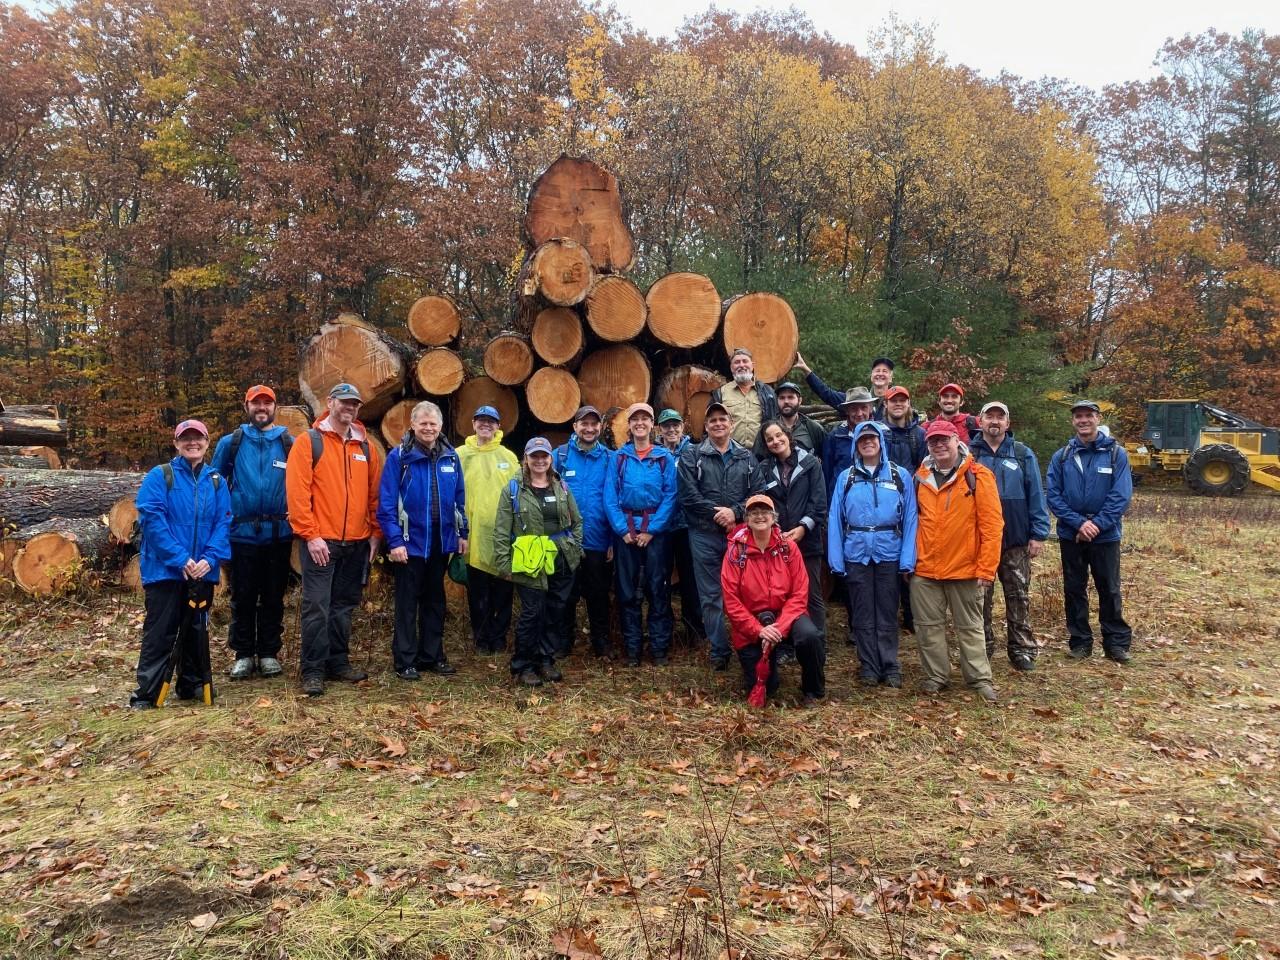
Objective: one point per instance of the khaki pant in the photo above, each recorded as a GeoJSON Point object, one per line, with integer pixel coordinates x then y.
{"type": "Point", "coordinates": [930, 600]}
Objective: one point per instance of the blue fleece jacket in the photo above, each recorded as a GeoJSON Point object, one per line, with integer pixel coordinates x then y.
{"type": "Point", "coordinates": [872, 499]}
{"type": "Point", "coordinates": [1021, 492]}
{"type": "Point", "coordinates": [259, 511]}
{"type": "Point", "coordinates": [1090, 482]}
{"type": "Point", "coordinates": [420, 473]}
{"type": "Point", "coordinates": [837, 453]}
{"type": "Point", "coordinates": [636, 485]}
{"type": "Point", "coordinates": [584, 473]}
{"type": "Point", "coordinates": [191, 521]}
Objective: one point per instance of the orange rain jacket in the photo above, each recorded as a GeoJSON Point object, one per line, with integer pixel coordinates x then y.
{"type": "Point", "coordinates": [338, 499]}
{"type": "Point", "coordinates": [959, 531]}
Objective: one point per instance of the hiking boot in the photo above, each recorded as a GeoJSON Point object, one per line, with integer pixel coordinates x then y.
{"type": "Point", "coordinates": [1119, 656]}
{"type": "Point", "coordinates": [348, 673]}
{"type": "Point", "coordinates": [811, 700]}
{"type": "Point", "coordinates": [661, 662]}
{"type": "Point", "coordinates": [868, 681]}
{"type": "Point", "coordinates": [786, 654]}
{"type": "Point", "coordinates": [409, 673]}
{"type": "Point", "coordinates": [270, 667]}
{"type": "Point", "coordinates": [529, 678]}
{"type": "Point", "coordinates": [932, 686]}
{"type": "Point", "coordinates": [1079, 653]}
{"type": "Point", "coordinates": [988, 693]}
{"type": "Point", "coordinates": [719, 664]}
{"type": "Point", "coordinates": [633, 661]}
{"type": "Point", "coordinates": [242, 669]}
{"type": "Point", "coordinates": [1022, 663]}
{"type": "Point", "coordinates": [894, 681]}
{"type": "Point", "coordinates": [551, 672]}
{"type": "Point", "coordinates": [313, 686]}
{"type": "Point", "coordinates": [444, 668]}
{"type": "Point", "coordinates": [141, 705]}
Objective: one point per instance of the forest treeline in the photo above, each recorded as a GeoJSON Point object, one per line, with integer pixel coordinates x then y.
{"type": "Point", "coordinates": [188, 187]}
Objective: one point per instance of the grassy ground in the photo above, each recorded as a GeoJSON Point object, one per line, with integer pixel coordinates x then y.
{"type": "Point", "coordinates": [1098, 811]}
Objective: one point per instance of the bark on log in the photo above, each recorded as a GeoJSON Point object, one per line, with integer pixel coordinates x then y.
{"type": "Point", "coordinates": [580, 200]}
{"type": "Point", "coordinates": [294, 419]}
{"type": "Point", "coordinates": [765, 324]}
{"type": "Point", "coordinates": [395, 422]}
{"type": "Point", "coordinates": [439, 372]}
{"type": "Point", "coordinates": [684, 309]}
{"type": "Point", "coordinates": [32, 425]}
{"type": "Point", "coordinates": [552, 395]}
{"type": "Point", "coordinates": [47, 454]}
{"type": "Point", "coordinates": [616, 309]}
{"type": "Point", "coordinates": [559, 272]}
{"type": "Point", "coordinates": [122, 520]}
{"type": "Point", "coordinates": [23, 463]}
{"type": "Point", "coordinates": [39, 495]}
{"type": "Point", "coordinates": [480, 392]}
{"type": "Point", "coordinates": [616, 376]}
{"type": "Point", "coordinates": [357, 354]}
{"type": "Point", "coordinates": [688, 389]}
{"type": "Point", "coordinates": [508, 359]}
{"type": "Point", "coordinates": [557, 336]}
{"type": "Point", "coordinates": [433, 321]}
{"type": "Point", "coordinates": [51, 553]}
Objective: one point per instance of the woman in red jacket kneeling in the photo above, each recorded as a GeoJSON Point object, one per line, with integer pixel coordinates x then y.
{"type": "Point", "coordinates": [766, 595]}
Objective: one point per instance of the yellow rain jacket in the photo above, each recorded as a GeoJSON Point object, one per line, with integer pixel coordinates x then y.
{"type": "Point", "coordinates": [486, 470]}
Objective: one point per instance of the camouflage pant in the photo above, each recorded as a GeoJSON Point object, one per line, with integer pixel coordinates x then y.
{"type": "Point", "coordinates": [1015, 581]}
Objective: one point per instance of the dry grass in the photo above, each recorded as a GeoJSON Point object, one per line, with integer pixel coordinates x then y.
{"type": "Point", "coordinates": [1098, 810]}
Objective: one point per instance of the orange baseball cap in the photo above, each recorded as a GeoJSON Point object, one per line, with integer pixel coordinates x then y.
{"type": "Point", "coordinates": [259, 390]}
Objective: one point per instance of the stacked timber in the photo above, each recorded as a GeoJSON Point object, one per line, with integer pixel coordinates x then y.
{"type": "Point", "coordinates": [32, 425]}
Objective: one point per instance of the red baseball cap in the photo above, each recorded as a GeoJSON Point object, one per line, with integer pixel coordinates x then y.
{"type": "Point", "coordinates": [951, 388]}
{"type": "Point", "coordinates": [941, 428]}
{"type": "Point", "coordinates": [259, 390]}
{"type": "Point", "coordinates": [186, 425]}
{"type": "Point", "coordinates": [898, 391]}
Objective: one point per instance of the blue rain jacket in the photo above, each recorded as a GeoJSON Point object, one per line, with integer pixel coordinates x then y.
{"type": "Point", "coordinates": [1090, 482]}
{"type": "Point", "coordinates": [191, 521]}
{"type": "Point", "coordinates": [259, 507]}
{"type": "Point", "coordinates": [635, 486]}
{"type": "Point", "coordinates": [873, 500]}
{"type": "Point", "coordinates": [415, 494]}
{"type": "Point", "coordinates": [1017, 471]}
{"type": "Point", "coordinates": [584, 473]}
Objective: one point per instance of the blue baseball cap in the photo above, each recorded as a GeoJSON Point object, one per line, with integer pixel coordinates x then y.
{"type": "Point", "coordinates": [487, 411]}
{"type": "Point", "coordinates": [538, 445]}
{"type": "Point", "coordinates": [345, 391]}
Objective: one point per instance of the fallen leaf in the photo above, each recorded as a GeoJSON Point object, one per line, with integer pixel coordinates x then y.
{"type": "Point", "coordinates": [392, 747]}
{"type": "Point", "coordinates": [1116, 938]}
{"type": "Point", "coordinates": [576, 944]}
{"type": "Point", "coordinates": [204, 921]}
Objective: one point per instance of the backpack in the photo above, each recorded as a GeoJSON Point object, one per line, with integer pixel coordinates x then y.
{"type": "Point", "coordinates": [233, 451]}
{"type": "Point", "coordinates": [739, 558]}
{"type": "Point", "coordinates": [896, 471]}
{"type": "Point", "coordinates": [317, 446]}
{"type": "Point", "coordinates": [167, 470]}
{"type": "Point", "coordinates": [661, 460]}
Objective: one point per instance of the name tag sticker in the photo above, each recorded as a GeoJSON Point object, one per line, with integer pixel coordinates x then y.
{"type": "Point", "coordinates": [445, 468]}
{"type": "Point", "coordinates": [1104, 469]}
{"type": "Point", "coordinates": [771, 484]}
{"type": "Point", "coordinates": [571, 473]}
{"type": "Point", "coordinates": [360, 457]}
{"type": "Point", "coordinates": [503, 466]}
{"type": "Point", "coordinates": [279, 464]}
{"type": "Point", "coordinates": [550, 499]}
{"type": "Point", "coordinates": [1011, 464]}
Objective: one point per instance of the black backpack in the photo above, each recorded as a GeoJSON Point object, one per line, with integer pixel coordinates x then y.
{"type": "Point", "coordinates": [237, 438]}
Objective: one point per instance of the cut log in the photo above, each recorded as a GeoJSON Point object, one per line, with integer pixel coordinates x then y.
{"type": "Point", "coordinates": [395, 422]}
{"type": "Point", "coordinates": [39, 495]}
{"type": "Point", "coordinates": [131, 574]}
{"type": "Point", "coordinates": [439, 372]}
{"type": "Point", "coordinates": [557, 336]}
{"type": "Point", "coordinates": [552, 395]}
{"type": "Point", "coordinates": [32, 425]}
{"type": "Point", "coordinates": [688, 389]}
{"type": "Point", "coordinates": [434, 321]}
{"type": "Point", "coordinates": [616, 310]}
{"type": "Point", "coordinates": [51, 554]}
{"type": "Point", "coordinates": [50, 456]}
{"type": "Point", "coordinates": [559, 272]}
{"type": "Point", "coordinates": [357, 354]}
{"type": "Point", "coordinates": [684, 309]}
{"type": "Point", "coordinates": [296, 420]}
{"type": "Point", "coordinates": [23, 463]}
{"type": "Point", "coordinates": [508, 359]}
{"type": "Point", "coordinates": [122, 520]}
{"type": "Point", "coordinates": [765, 324]}
{"type": "Point", "coordinates": [580, 200]}
{"type": "Point", "coordinates": [616, 376]}
{"type": "Point", "coordinates": [480, 392]}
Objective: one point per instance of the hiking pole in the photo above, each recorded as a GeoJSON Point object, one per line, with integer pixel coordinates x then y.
{"type": "Point", "coordinates": [171, 664]}
{"type": "Point", "coordinates": [199, 599]}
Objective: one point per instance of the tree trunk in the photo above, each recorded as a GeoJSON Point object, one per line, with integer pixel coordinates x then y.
{"type": "Point", "coordinates": [508, 359]}
{"type": "Point", "coordinates": [23, 463]}
{"type": "Point", "coordinates": [580, 200]}
{"type": "Point", "coordinates": [122, 520]}
{"type": "Point", "coordinates": [688, 389]}
{"type": "Point", "coordinates": [484, 392]}
{"type": "Point", "coordinates": [616, 310]}
{"type": "Point", "coordinates": [355, 354]}
{"type": "Point", "coordinates": [558, 272]}
{"type": "Point", "coordinates": [433, 321]}
{"type": "Point", "coordinates": [50, 456]}
{"type": "Point", "coordinates": [552, 394]}
{"type": "Point", "coordinates": [297, 420]}
{"type": "Point", "coordinates": [395, 422]}
{"type": "Point", "coordinates": [131, 574]}
{"type": "Point", "coordinates": [32, 425]}
{"type": "Point", "coordinates": [439, 372]}
{"type": "Point", "coordinates": [557, 336]}
{"type": "Point", "coordinates": [51, 553]}
{"type": "Point", "coordinates": [765, 324]}
{"type": "Point", "coordinates": [35, 496]}
{"type": "Point", "coordinates": [684, 309]}
{"type": "Point", "coordinates": [616, 376]}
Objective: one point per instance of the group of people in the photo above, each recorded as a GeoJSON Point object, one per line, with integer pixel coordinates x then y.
{"type": "Point", "coordinates": [912, 516]}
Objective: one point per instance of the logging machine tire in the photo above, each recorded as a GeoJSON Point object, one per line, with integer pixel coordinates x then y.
{"type": "Point", "coordinates": [1217, 470]}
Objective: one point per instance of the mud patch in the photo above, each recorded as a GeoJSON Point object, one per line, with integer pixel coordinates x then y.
{"type": "Point", "coordinates": [150, 907]}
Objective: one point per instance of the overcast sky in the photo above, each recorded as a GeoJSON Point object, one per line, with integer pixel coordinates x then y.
{"type": "Point", "coordinates": [1093, 42]}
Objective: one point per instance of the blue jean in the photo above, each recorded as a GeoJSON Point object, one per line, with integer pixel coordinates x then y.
{"type": "Point", "coordinates": [642, 575]}
{"type": "Point", "coordinates": [707, 548]}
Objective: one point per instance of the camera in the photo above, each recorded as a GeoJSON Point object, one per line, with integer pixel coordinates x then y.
{"type": "Point", "coordinates": [767, 618]}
